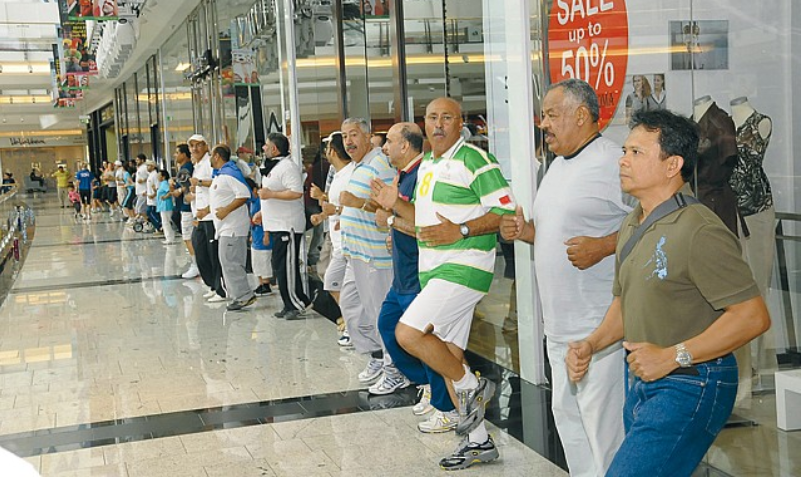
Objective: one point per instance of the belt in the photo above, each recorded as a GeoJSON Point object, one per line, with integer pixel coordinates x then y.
{"type": "Point", "coordinates": [689, 371]}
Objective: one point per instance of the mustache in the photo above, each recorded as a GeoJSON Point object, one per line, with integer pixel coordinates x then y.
{"type": "Point", "coordinates": [439, 131]}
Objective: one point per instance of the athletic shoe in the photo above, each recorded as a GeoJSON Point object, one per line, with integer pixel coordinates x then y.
{"type": "Point", "coordinates": [263, 290]}
{"type": "Point", "coordinates": [423, 406]}
{"type": "Point", "coordinates": [281, 314]}
{"type": "Point", "coordinates": [216, 299]}
{"type": "Point", "coordinates": [472, 405]}
{"type": "Point", "coordinates": [238, 305]}
{"type": "Point", "coordinates": [439, 422]}
{"type": "Point", "coordinates": [344, 340]}
{"type": "Point", "coordinates": [389, 383]}
{"type": "Point", "coordinates": [209, 294]}
{"type": "Point", "coordinates": [192, 272]}
{"type": "Point", "coordinates": [169, 242]}
{"type": "Point", "coordinates": [292, 315]}
{"type": "Point", "coordinates": [469, 453]}
{"type": "Point", "coordinates": [372, 371]}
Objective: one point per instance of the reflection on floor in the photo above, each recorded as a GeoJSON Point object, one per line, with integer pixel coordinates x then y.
{"type": "Point", "coordinates": [110, 365]}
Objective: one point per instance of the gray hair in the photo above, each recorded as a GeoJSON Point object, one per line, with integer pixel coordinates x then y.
{"type": "Point", "coordinates": [361, 122]}
{"type": "Point", "coordinates": [582, 93]}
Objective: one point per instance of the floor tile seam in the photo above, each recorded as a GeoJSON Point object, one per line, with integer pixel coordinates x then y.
{"type": "Point", "coordinates": [96, 242]}
{"type": "Point", "coordinates": [72, 286]}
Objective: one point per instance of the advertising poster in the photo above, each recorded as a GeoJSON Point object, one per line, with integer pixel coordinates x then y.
{"type": "Point", "coordinates": [82, 10]}
{"type": "Point", "coordinates": [590, 41]}
{"type": "Point", "coordinates": [76, 58]}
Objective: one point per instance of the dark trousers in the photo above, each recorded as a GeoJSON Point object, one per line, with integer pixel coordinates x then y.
{"type": "Point", "coordinates": [392, 309]}
{"type": "Point", "coordinates": [207, 256]}
{"type": "Point", "coordinates": [286, 268]}
{"type": "Point", "coordinates": [154, 217]}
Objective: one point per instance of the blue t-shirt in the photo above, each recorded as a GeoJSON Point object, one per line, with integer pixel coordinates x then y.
{"type": "Point", "coordinates": [406, 280]}
{"type": "Point", "coordinates": [190, 168]}
{"type": "Point", "coordinates": [163, 205]}
{"type": "Point", "coordinates": [84, 177]}
{"type": "Point", "coordinates": [257, 231]}
{"type": "Point", "coordinates": [126, 178]}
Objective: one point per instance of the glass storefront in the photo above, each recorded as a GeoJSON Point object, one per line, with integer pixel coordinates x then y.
{"type": "Point", "coordinates": [237, 71]}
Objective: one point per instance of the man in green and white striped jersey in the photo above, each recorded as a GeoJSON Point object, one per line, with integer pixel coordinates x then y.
{"type": "Point", "coordinates": [459, 199]}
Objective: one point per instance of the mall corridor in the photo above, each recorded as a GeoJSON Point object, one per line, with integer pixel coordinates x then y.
{"type": "Point", "coordinates": [113, 366]}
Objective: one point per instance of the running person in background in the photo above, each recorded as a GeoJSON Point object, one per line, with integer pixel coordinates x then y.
{"type": "Point", "coordinates": [129, 200]}
{"type": "Point", "coordinates": [84, 178]}
{"type": "Point", "coordinates": [164, 206]}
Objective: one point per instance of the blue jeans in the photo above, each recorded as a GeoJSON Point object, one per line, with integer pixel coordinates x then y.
{"type": "Point", "coordinates": [671, 423]}
{"type": "Point", "coordinates": [392, 309]}
{"type": "Point", "coordinates": [154, 217]}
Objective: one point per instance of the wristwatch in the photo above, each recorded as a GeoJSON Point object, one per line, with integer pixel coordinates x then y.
{"type": "Point", "coordinates": [390, 221]}
{"type": "Point", "coordinates": [464, 230]}
{"type": "Point", "coordinates": [683, 356]}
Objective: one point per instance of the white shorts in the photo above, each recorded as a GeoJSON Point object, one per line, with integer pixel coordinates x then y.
{"type": "Point", "coordinates": [141, 204]}
{"type": "Point", "coordinates": [335, 273]}
{"type": "Point", "coordinates": [261, 260]}
{"type": "Point", "coordinates": [445, 306]}
{"type": "Point", "coordinates": [187, 225]}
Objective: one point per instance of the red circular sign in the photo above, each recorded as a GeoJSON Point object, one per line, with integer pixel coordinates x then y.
{"type": "Point", "coordinates": [589, 40]}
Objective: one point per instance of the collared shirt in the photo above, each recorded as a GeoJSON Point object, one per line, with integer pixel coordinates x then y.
{"type": "Point", "coordinates": [362, 239]}
{"type": "Point", "coordinates": [405, 254]}
{"type": "Point", "coordinates": [464, 184]}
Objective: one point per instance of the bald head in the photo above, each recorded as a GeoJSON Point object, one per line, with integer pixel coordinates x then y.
{"type": "Point", "coordinates": [404, 143]}
{"type": "Point", "coordinates": [443, 124]}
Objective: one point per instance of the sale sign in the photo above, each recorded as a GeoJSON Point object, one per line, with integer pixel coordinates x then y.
{"type": "Point", "coordinates": [589, 40]}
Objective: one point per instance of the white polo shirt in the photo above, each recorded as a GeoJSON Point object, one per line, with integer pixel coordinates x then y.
{"type": "Point", "coordinates": [283, 215]}
{"type": "Point", "coordinates": [141, 174]}
{"type": "Point", "coordinates": [224, 190]}
{"type": "Point", "coordinates": [203, 172]}
{"type": "Point", "coordinates": [338, 185]}
{"type": "Point", "coordinates": [152, 186]}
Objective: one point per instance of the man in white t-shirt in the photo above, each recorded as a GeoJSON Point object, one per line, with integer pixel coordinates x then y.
{"type": "Point", "coordinates": [119, 178]}
{"type": "Point", "coordinates": [576, 215]}
{"type": "Point", "coordinates": [283, 216]}
{"type": "Point", "coordinates": [141, 186]}
{"type": "Point", "coordinates": [152, 184]}
{"type": "Point", "coordinates": [204, 239]}
{"type": "Point", "coordinates": [228, 198]}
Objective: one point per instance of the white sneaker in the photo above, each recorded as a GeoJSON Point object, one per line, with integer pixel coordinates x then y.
{"type": "Point", "coordinates": [390, 382]}
{"type": "Point", "coordinates": [439, 422]}
{"type": "Point", "coordinates": [372, 371]}
{"type": "Point", "coordinates": [209, 294]}
{"type": "Point", "coordinates": [192, 272]}
{"type": "Point", "coordinates": [217, 298]}
{"type": "Point", "coordinates": [423, 406]}
{"type": "Point", "coordinates": [344, 340]}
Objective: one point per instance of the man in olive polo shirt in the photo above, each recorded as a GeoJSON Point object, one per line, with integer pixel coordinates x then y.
{"type": "Point", "coordinates": [684, 300]}
{"type": "Point", "coordinates": [62, 176]}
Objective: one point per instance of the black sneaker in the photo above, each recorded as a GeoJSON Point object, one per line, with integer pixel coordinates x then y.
{"type": "Point", "coordinates": [295, 315]}
{"type": "Point", "coordinates": [468, 453]}
{"type": "Point", "coordinates": [238, 305]}
{"type": "Point", "coordinates": [281, 314]}
{"type": "Point", "coordinates": [263, 290]}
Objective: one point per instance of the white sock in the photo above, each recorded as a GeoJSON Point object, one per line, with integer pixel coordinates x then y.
{"type": "Point", "coordinates": [468, 381]}
{"type": "Point", "coordinates": [479, 435]}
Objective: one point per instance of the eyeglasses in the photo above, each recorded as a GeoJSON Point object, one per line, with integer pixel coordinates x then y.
{"type": "Point", "coordinates": [445, 118]}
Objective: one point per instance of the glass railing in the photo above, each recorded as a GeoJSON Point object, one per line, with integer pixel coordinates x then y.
{"type": "Point", "coordinates": [17, 223]}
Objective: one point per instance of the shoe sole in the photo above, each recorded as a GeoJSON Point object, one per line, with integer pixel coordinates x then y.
{"type": "Point", "coordinates": [469, 423]}
{"type": "Point", "coordinates": [383, 392]}
{"type": "Point", "coordinates": [425, 411]}
{"type": "Point", "coordinates": [436, 431]}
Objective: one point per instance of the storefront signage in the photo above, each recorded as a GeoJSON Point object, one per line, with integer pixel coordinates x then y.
{"type": "Point", "coordinates": [16, 142]}
{"type": "Point", "coordinates": [589, 40]}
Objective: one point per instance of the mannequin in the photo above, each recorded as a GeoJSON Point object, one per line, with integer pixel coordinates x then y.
{"type": "Point", "coordinates": [717, 156]}
{"type": "Point", "coordinates": [755, 205]}
{"type": "Point", "coordinates": [741, 109]}
{"type": "Point", "coordinates": [700, 106]}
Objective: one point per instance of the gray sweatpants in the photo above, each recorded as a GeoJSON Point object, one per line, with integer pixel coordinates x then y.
{"type": "Point", "coordinates": [363, 291]}
{"type": "Point", "coordinates": [233, 258]}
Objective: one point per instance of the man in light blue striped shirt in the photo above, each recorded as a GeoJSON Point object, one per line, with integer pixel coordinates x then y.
{"type": "Point", "coordinates": [368, 274]}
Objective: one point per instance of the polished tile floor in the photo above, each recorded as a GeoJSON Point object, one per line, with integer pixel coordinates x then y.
{"type": "Point", "coordinates": [112, 365]}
